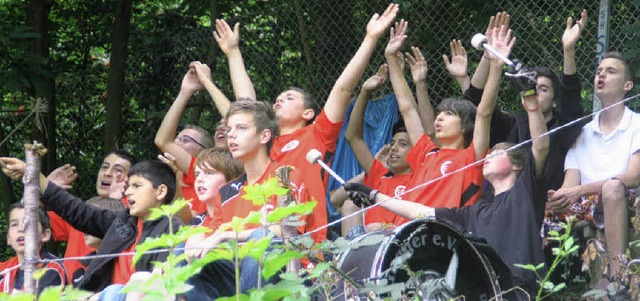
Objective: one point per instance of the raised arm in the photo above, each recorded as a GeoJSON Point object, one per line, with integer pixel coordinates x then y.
{"type": "Point", "coordinates": [502, 41]}
{"type": "Point", "coordinates": [569, 39]}
{"type": "Point", "coordinates": [220, 100]}
{"type": "Point", "coordinates": [419, 72]}
{"type": "Point", "coordinates": [166, 135]}
{"type": "Point", "coordinates": [537, 127]}
{"type": "Point", "coordinates": [354, 132]}
{"type": "Point", "coordinates": [340, 94]}
{"type": "Point", "coordinates": [457, 66]}
{"type": "Point", "coordinates": [229, 42]}
{"type": "Point", "coordinates": [406, 102]}
{"type": "Point", "coordinates": [479, 78]}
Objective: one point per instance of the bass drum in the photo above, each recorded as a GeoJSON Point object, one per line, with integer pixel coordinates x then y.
{"type": "Point", "coordinates": [417, 254]}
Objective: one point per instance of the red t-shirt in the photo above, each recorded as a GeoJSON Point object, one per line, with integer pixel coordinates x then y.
{"type": "Point", "coordinates": [380, 178]}
{"type": "Point", "coordinates": [76, 247]}
{"type": "Point", "coordinates": [234, 204]}
{"type": "Point", "coordinates": [292, 149]}
{"type": "Point", "coordinates": [123, 267]}
{"type": "Point", "coordinates": [428, 162]}
{"type": "Point", "coordinates": [188, 190]}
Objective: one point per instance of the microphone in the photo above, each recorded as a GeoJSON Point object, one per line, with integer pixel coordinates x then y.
{"type": "Point", "coordinates": [479, 41]}
{"type": "Point", "coordinates": [314, 155]}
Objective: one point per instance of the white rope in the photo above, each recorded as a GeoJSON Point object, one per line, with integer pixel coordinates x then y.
{"type": "Point", "coordinates": [468, 166]}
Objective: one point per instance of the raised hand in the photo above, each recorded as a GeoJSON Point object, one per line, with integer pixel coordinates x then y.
{"type": "Point", "coordinates": [227, 39]}
{"type": "Point", "coordinates": [457, 66]}
{"type": "Point", "coordinates": [13, 167]}
{"type": "Point", "coordinates": [497, 21]}
{"type": "Point", "coordinates": [377, 80]}
{"type": "Point", "coordinates": [383, 153]}
{"type": "Point", "coordinates": [379, 23]}
{"type": "Point", "coordinates": [202, 70]}
{"type": "Point", "coordinates": [63, 176]}
{"type": "Point", "coordinates": [190, 81]}
{"type": "Point", "coordinates": [397, 37]}
{"type": "Point", "coordinates": [502, 42]}
{"type": "Point", "coordinates": [572, 31]}
{"type": "Point", "coordinates": [417, 65]}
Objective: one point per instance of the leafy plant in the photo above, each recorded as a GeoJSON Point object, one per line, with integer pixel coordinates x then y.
{"type": "Point", "coordinates": [566, 247]}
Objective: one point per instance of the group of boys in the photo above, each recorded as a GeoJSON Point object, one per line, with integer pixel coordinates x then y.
{"type": "Point", "coordinates": [430, 163]}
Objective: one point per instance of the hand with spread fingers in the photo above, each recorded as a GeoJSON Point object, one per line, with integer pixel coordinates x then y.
{"type": "Point", "coordinates": [63, 176]}
{"type": "Point", "coordinates": [457, 65]}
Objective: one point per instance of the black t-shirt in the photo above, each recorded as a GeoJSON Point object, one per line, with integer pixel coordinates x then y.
{"type": "Point", "coordinates": [510, 222]}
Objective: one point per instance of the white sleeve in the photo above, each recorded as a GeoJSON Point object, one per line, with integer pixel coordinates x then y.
{"type": "Point", "coordinates": [571, 160]}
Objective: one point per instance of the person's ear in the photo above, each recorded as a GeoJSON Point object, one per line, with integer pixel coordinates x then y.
{"type": "Point", "coordinates": [161, 192]}
{"type": "Point", "coordinates": [628, 86]}
{"type": "Point", "coordinates": [265, 136]}
{"type": "Point", "coordinates": [45, 236]}
{"type": "Point", "coordinates": [308, 114]}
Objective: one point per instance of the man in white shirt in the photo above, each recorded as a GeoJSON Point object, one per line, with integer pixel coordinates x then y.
{"type": "Point", "coordinates": [605, 159]}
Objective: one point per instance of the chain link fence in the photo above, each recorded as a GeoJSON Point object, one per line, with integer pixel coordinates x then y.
{"type": "Point", "coordinates": [307, 44]}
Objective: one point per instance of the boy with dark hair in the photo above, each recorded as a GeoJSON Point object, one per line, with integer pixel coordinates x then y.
{"type": "Point", "coordinates": [13, 279]}
{"type": "Point", "coordinates": [110, 182]}
{"type": "Point", "coordinates": [150, 185]}
{"type": "Point", "coordinates": [516, 204]}
{"type": "Point", "coordinates": [91, 241]}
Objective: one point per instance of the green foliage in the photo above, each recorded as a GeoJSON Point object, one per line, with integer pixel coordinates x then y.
{"type": "Point", "coordinates": [566, 247]}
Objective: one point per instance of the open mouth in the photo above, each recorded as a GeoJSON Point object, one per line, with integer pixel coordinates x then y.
{"type": "Point", "coordinates": [131, 202]}
{"type": "Point", "coordinates": [201, 190]}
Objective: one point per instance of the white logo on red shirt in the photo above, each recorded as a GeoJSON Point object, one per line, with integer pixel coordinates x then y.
{"type": "Point", "coordinates": [444, 167]}
{"type": "Point", "coordinates": [293, 144]}
{"type": "Point", "coordinates": [400, 190]}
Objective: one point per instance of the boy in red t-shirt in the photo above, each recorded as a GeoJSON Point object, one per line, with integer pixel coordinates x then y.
{"type": "Point", "coordinates": [461, 136]}
{"type": "Point", "coordinates": [11, 277]}
{"type": "Point", "coordinates": [301, 128]}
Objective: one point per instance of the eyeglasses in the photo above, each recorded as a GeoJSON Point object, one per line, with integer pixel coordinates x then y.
{"type": "Point", "coordinates": [186, 139]}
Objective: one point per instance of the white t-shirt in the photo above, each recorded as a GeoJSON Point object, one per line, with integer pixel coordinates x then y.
{"type": "Point", "coordinates": [599, 156]}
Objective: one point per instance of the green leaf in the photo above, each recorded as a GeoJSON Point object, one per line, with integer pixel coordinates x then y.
{"type": "Point", "coordinates": [282, 212]}
{"type": "Point", "coordinates": [38, 273]}
{"type": "Point", "coordinates": [568, 243]}
{"type": "Point", "coordinates": [548, 286]}
{"type": "Point", "coordinates": [529, 267]}
{"type": "Point", "coordinates": [558, 287]}
{"type": "Point", "coordinates": [259, 193]}
{"type": "Point", "coordinates": [274, 263]}
{"type": "Point", "coordinates": [255, 248]}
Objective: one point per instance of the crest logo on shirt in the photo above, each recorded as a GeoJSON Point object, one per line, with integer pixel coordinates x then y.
{"type": "Point", "coordinates": [444, 167]}
{"type": "Point", "coordinates": [293, 144]}
{"type": "Point", "coordinates": [399, 190]}
{"type": "Point", "coordinates": [236, 186]}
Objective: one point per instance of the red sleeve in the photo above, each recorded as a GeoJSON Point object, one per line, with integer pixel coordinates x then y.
{"type": "Point", "coordinates": [59, 227]}
{"type": "Point", "coordinates": [415, 157]}
{"type": "Point", "coordinates": [190, 177]}
{"type": "Point", "coordinates": [327, 131]}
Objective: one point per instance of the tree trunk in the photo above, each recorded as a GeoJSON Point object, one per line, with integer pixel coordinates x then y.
{"type": "Point", "coordinates": [39, 21]}
{"type": "Point", "coordinates": [115, 84]}
{"type": "Point", "coordinates": [31, 180]}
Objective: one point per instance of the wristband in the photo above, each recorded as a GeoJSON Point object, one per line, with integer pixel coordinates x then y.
{"type": "Point", "coordinates": [372, 195]}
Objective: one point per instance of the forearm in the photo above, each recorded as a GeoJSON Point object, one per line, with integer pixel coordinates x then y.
{"type": "Point", "coordinates": [242, 85]}
{"type": "Point", "coordinates": [479, 78]}
{"type": "Point", "coordinates": [167, 131]}
{"type": "Point", "coordinates": [336, 104]}
{"type": "Point", "coordinates": [339, 195]}
{"type": "Point", "coordinates": [490, 93]}
{"type": "Point", "coordinates": [407, 209]}
{"type": "Point", "coordinates": [425, 109]}
{"type": "Point", "coordinates": [406, 102]}
{"type": "Point", "coordinates": [220, 100]}
{"type": "Point", "coordinates": [569, 60]}
{"type": "Point", "coordinates": [464, 82]}
{"type": "Point", "coordinates": [356, 120]}
{"type": "Point", "coordinates": [540, 144]}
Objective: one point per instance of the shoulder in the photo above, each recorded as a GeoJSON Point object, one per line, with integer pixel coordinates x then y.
{"type": "Point", "coordinates": [232, 188]}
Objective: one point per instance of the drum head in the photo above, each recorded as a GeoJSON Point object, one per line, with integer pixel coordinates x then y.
{"type": "Point", "coordinates": [422, 249]}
